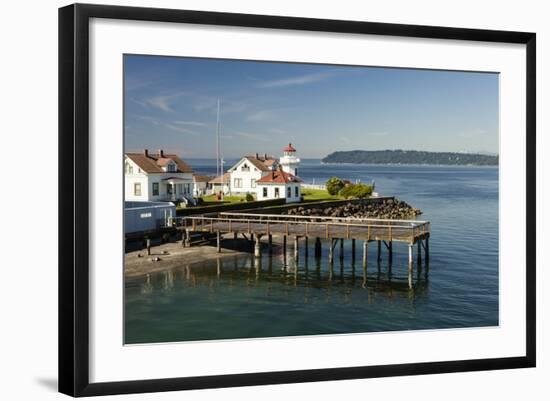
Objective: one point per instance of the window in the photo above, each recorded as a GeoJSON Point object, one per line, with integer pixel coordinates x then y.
{"type": "Point", "coordinates": [155, 188]}
{"type": "Point", "coordinates": [169, 189]}
{"type": "Point", "coordinates": [264, 192]}
{"type": "Point", "coordinates": [137, 189]}
{"type": "Point", "coordinates": [296, 192]}
{"type": "Point", "coordinates": [245, 167]}
{"type": "Point", "coordinates": [276, 192]}
{"type": "Point", "coordinates": [238, 183]}
{"type": "Point", "coordinates": [253, 183]}
{"type": "Point", "coordinates": [288, 192]}
{"type": "Point", "coordinates": [171, 168]}
{"type": "Point", "coordinates": [129, 169]}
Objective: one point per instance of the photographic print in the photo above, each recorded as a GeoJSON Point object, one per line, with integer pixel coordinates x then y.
{"type": "Point", "coordinates": [269, 199]}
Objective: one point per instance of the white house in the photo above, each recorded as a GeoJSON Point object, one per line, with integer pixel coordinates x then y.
{"type": "Point", "coordinates": [279, 184]}
{"type": "Point", "coordinates": [279, 178]}
{"type": "Point", "coordinates": [247, 171]}
{"type": "Point", "coordinates": [220, 184]}
{"type": "Point", "coordinates": [156, 177]}
{"type": "Point", "coordinates": [201, 185]}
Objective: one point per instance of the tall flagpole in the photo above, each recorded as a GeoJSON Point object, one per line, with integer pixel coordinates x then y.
{"type": "Point", "coordinates": [218, 156]}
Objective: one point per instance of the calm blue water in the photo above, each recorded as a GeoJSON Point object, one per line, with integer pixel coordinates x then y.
{"type": "Point", "coordinates": [238, 297]}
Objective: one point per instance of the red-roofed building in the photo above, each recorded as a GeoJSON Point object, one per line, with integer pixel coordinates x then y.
{"type": "Point", "coordinates": [279, 184]}
{"type": "Point", "coordinates": [155, 177]}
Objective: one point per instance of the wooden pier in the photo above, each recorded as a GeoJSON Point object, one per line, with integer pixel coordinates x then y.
{"type": "Point", "coordinates": [333, 229]}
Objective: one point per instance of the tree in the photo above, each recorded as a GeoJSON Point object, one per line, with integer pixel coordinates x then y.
{"type": "Point", "coordinates": [334, 185]}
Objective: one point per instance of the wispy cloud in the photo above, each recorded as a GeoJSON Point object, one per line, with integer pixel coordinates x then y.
{"type": "Point", "coordinates": [277, 131]}
{"type": "Point", "coordinates": [251, 136]}
{"type": "Point", "coordinates": [164, 102]}
{"type": "Point", "coordinates": [191, 123]}
{"type": "Point", "coordinates": [261, 115]}
{"type": "Point", "coordinates": [293, 81]}
{"type": "Point", "coordinates": [209, 104]}
{"type": "Point", "coordinates": [180, 129]}
{"type": "Point", "coordinates": [149, 119]}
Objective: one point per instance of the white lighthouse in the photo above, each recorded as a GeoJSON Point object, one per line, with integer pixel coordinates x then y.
{"type": "Point", "coordinates": [289, 162]}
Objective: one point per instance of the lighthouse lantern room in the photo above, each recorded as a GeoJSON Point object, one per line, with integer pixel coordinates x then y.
{"type": "Point", "coordinates": [289, 162]}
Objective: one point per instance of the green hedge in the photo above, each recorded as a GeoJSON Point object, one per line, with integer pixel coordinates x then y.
{"type": "Point", "coordinates": [228, 207]}
{"type": "Point", "coordinates": [356, 191]}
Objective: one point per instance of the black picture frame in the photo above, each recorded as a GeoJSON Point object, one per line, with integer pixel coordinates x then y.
{"type": "Point", "coordinates": [74, 200]}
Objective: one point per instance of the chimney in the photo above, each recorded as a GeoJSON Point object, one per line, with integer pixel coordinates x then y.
{"type": "Point", "coordinates": [256, 155]}
{"type": "Point", "coordinates": [146, 152]}
{"type": "Point", "coordinates": [265, 156]}
{"type": "Point", "coordinates": [161, 153]}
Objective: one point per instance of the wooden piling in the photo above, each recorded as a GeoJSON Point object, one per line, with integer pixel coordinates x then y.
{"type": "Point", "coordinates": [306, 247]}
{"type": "Point", "coordinates": [257, 247]}
{"type": "Point", "coordinates": [331, 251]}
{"type": "Point", "coordinates": [427, 248]}
{"type": "Point", "coordinates": [379, 250]}
{"type": "Point", "coordinates": [270, 242]}
{"type": "Point", "coordinates": [365, 253]}
{"type": "Point", "coordinates": [296, 249]}
{"type": "Point", "coordinates": [218, 242]}
{"type": "Point", "coordinates": [353, 249]}
{"type": "Point", "coordinates": [318, 247]}
{"type": "Point", "coordinates": [341, 249]}
{"type": "Point", "coordinates": [419, 252]}
{"type": "Point", "coordinates": [410, 256]}
{"type": "Point", "coordinates": [390, 251]}
{"type": "Point", "coordinates": [284, 244]}
{"type": "Point", "coordinates": [148, 244]}
{"type": "Point", "coordinates": [235, 235]}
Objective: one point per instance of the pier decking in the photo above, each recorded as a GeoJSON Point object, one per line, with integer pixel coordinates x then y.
{"type": "Point", "coordinates": [334, 229]}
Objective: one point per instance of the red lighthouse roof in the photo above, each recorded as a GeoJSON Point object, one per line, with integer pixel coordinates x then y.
{"type": "Point", "coordinates": [278, 177]}
{"type": "Point", "coordinates": [289, 148]}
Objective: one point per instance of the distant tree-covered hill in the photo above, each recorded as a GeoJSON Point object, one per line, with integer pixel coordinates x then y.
{"type": "Point", "coordinates": [410, 157]}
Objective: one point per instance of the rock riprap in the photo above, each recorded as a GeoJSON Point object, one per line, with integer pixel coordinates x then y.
{"type": "Point", "coordinates": [385, 209]}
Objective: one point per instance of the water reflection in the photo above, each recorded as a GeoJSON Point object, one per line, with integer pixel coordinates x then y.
{"type": "Point", "coordinates": [282, 272]}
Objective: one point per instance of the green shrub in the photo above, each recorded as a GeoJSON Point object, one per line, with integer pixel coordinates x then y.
{"type": "Point", "coordinates": [356, 191]}
{"type": "Point", "coordinates": [334, 185]}
{"type": "Point", "coordinates": [249, 197]}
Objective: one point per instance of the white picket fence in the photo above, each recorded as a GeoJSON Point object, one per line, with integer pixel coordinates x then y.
{"type": "Point", "coordinates": [314, 186]}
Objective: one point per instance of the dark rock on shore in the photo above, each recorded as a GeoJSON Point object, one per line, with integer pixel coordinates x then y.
{"type": "Point", "coordinates": [386, 209]}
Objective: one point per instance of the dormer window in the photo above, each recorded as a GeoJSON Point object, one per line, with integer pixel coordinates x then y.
{"type": "Point", "coordinates": [245, 167]}
{"type": "Point", "coordinates": [172, 168]}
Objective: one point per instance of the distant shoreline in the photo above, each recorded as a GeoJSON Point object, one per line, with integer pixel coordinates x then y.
{"type": "Point", "coordinates": [408, 164]}
{"type": "Point", "coordinates": [410, 157]}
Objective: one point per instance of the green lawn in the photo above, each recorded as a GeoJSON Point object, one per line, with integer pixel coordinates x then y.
{"type": "Point", "coordinates": [318, 195]}
{"type": "Point", "coordinates": [211, 199]}
{"type": "Point", "coordinates": [309, 195]}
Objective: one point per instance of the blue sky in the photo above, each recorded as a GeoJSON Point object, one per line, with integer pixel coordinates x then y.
{"type": "Point", "coordinates": [170, 103]}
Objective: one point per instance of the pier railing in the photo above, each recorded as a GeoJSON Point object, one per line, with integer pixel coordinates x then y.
{"type": "Point", "coordinates": [367, 229]}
